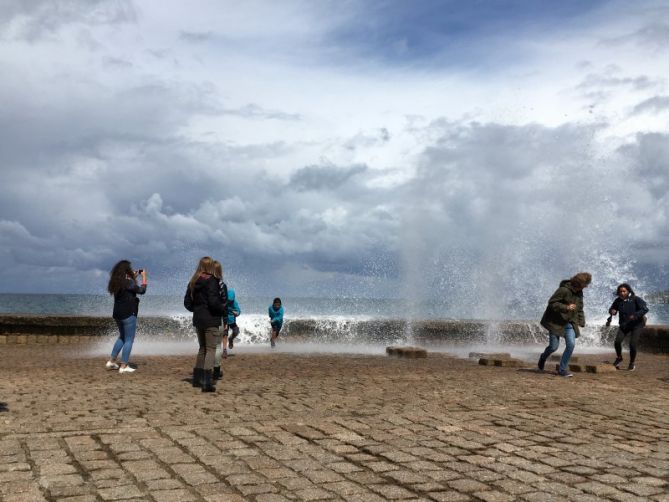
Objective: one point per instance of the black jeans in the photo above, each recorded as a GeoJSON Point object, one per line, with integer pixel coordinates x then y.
{"type": "Point", "coordinates": [208, 338]}
{"type": "Point", "coordinates": [634, 339]}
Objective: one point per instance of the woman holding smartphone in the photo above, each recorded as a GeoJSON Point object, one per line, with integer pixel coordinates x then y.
{"type": "Point", "coordinates": [123, 285]}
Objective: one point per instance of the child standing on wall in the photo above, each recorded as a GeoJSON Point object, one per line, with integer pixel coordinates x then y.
{"type": "Point", "coordinates": [276, 319]}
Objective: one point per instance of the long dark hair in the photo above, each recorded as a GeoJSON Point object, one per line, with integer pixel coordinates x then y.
{"type": "Point", "coordinates": [118, 276]}
{"type": "Point", "coordinates": [626, 286]}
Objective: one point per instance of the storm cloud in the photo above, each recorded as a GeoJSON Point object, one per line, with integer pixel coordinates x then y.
{"type": "Point", "coordinates": [181, 133]}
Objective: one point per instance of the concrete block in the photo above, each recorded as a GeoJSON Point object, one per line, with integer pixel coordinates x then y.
{"type": "Point", "coordinates": [42, 338]}
{"type": "Point", "coordinates": [21, 339]}
{"type": "Point", "coordinates": [11, 339]}
{"type": "Point", "coordinates": [510, 363]}
{"type": "Point", "coordinates": [490, 355]}
{"type": "Point", "coordinates": [3, 339]}
{"type": "Point", "coordinates": [413, 353]}
{"type": "Point", "coordinates": [484, 361]}
{"type": "Point", "coordinates": [600, 368]}
{"type": "Point", "coordinates": [32, 339]}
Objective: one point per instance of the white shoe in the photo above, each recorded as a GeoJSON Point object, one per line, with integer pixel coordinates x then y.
{"type": "Point", "coordinates": [111, 365]}
{"type": "Point", "coordinates": [127, 369]}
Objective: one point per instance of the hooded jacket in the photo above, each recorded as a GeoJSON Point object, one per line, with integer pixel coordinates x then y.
{"type": "Point", "coordinates": [233, 307]}
{"type": "Point", "coordinates": [557, 315]}
{"type": "Point", "coordinates": [205, 302]}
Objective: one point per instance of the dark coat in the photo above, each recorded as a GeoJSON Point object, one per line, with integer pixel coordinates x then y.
{"type": "Point", "coordinates": [631, 312]}
{"type": "Point", "coordinates": [126, 302]}
{"type": "Point", "coordinates": [557, 316]}
{"type": "Point", "coordinates": [205, 302]}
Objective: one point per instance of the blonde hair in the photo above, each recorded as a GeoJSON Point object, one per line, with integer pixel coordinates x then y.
{"type": "Point", "coordinates": [218, 270]}
{"type": "Point", "coordinates": [206, 266]}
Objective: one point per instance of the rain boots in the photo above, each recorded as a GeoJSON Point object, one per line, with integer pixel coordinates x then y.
{"type": "Point", "coordinates": [198, 375]}
{"type": "Point", "coordinates": [209, 382]}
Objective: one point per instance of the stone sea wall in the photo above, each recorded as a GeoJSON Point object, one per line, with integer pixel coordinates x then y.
{"type": "Point", "coordinates": [24, 329]}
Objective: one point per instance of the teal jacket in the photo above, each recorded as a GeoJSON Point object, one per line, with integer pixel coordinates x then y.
{"type": "Point", "coordinates": [275, 316]}
{"type": "Point", "coordinates": [233, 307]}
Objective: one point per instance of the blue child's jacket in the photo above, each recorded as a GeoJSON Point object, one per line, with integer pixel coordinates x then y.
{"type": "Point", "coordinates": [233, 307]}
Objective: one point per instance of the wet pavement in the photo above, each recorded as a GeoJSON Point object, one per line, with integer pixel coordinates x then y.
{"type": "Point", "coordinates": [322, 427]}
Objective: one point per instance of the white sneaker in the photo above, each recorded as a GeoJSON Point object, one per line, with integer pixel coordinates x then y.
{"type": "Point", "coordinates": [111, 365]}
{"type": "Point", "coordinates": [127, 369]}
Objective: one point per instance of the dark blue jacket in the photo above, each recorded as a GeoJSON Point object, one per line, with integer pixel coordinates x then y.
{"type": "Point", "coordinates": [630, 312]}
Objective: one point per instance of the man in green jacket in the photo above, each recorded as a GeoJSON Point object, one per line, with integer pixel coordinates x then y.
{"type": "Point", "coordinates": [563, 317]}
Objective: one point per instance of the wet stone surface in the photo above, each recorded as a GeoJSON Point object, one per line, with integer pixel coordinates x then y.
{"type": "Point", "coordinates": [329, 427]}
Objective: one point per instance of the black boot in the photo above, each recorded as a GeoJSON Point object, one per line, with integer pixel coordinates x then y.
{"type": "Point", "coordinates": [198, 374]}
{"type": "Point", "coordinates": [542, 362]}
{"type": "Point", "coordinates": [218, 374]}
{"type": "Point", "coordinates": [208, 385]}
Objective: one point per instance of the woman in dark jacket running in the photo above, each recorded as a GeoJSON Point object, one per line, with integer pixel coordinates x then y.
{"type": "Point", "coordinates": [203, 299]}
{"type": "Point", "coordinates": [631, 310]}
{"type": "Point", "coordinates": [123, 285]}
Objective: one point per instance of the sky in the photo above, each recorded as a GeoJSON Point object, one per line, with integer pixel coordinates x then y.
{"type": "Point", "coordinates": [454, 148]}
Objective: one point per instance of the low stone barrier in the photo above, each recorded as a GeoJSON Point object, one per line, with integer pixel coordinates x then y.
{"type": "Point", "coordinates": [19, 328]}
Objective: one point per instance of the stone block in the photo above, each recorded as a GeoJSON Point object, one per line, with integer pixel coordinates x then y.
{"type": "Point", "coordinates": [408, 352]}
{"type": "Point", "coordinates": [600, 368]}
{"type": "Point", "coordinates": [576, 368]}
{"type": "Point", "coordinates": [21, 339]}
{"type": "Point", "coordinates": [490, 355]}
{"type": "Point", "coordinates": [11, 339]}
{"type": "Point", "coordinates": [3, 339]}
{"type": "Point", "coordinates": [510, 363]}
{"type": "Point", "coordinates": [32, 339]}
{"type": "Point", "coordinates": [484, 361]}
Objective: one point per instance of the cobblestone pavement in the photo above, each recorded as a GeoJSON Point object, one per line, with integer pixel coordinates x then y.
{"type": "Point", "coordinates": [322, 427]}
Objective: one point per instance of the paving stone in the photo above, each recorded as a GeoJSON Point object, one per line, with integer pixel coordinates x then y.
{"type": "Point", "coordinates": [437, 429]}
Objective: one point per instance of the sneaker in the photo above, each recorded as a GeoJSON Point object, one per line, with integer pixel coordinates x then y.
{"type": "Point", "coordinates": [631, 367]}
{"type": "Point", "coordinates": [565, 374]}
{"type": "Point", "coordinates": [111, 365]}
{"type": "Point", "coordinates": [617, 362]}
{"type": "Point", "coordinates": [127, 369]}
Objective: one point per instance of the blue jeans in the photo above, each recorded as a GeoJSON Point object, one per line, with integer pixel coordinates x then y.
{"type": "Point", "coordinates": [126, 330]}
{"type": "Point", "coordinates": [554, 342]}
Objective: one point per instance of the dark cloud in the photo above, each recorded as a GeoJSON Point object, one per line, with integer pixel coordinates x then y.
{"type": "Point", "coordinates": [654, 105]}
{"type": "Point", "coordinates": [654, 36]}
{"type": "Point", "coordinates": [323, 177]}
{"type": "Point", "coordinates": [34, 19]}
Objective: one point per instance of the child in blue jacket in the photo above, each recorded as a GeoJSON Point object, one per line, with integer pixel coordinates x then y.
{"type": "Point", "coordinates": [233, 312]}
{"type": "Point", "coordinates": [276, 319]}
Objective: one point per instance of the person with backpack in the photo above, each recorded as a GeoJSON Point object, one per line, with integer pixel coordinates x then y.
{"type": "Point", "coordinates": [218, 273]}
{"type": "Point", "coordinates": [631, 311]}
{"type": "Point", "coordinates": [203, 299]}
{"type": "Point", "coordinates": [563, 317]}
